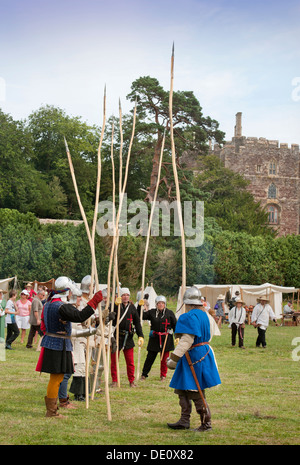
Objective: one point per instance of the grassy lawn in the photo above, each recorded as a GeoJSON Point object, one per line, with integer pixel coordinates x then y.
{"type": "Point", "coordinates": [257, 402]}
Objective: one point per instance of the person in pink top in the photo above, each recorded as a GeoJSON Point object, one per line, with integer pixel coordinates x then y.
{"type": "Point", "coordinates": [24, 306]}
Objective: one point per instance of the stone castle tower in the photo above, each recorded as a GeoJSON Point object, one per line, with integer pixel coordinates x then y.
{"type": "Point", "coordinates": [273, 170]}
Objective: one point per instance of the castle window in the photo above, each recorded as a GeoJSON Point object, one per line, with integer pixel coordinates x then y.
{"type": "Point", "coordinates": [273, 214]}
{"type": "Point", "coordinates": [272, 191]}
{"type": "Point", "coordinates": [258, 168]}
{"type": "Point", "coordinates": [272, 167]}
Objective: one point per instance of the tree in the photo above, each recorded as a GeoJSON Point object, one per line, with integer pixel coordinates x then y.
{"type": "Point", "coordinates": [47, 127]}
{"type": "Point", "coordinates": [191, 128]}
{"type": "Point", "coordinates": [228, 200]}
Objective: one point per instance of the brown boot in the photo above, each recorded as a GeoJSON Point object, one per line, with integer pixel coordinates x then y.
{"type": "Point", "coordinates": [205, 415]}
{"type": "Point", "coordinates": [186, 409]}
{"type": "Point", "coordinates": [66, 403]}
{"type": "Point", "coordinates": [51, 406]}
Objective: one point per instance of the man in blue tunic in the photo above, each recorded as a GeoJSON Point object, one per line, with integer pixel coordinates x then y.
{"type": "Point", "coordinates": [194, 361]}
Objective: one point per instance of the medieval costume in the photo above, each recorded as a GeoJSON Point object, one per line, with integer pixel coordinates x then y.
{"type": "Point", "coordinates": [260, 317]}
{"type": "Point", "coordinates": [194, 361]}
{"type": "Point", "coordinates": [237, 317]}
{"type": "Point", "coordinates": [96, 344]}
{"type": "Point", "coordinates": [129, 323]}
{"type": "Point", "coordinates": [163, 322]}
{"type": "Point", "coordinates": [56, 353]}
{"type": "Point", "coordinates": [79, 344]}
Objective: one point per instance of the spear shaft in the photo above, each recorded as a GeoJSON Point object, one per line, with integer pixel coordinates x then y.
{"type": "Point", "coordinates": [179, 207]}
{"type": "Point", "coordinates": [147, 242]}
{"type": "Point", "coordinates": [94, 266]}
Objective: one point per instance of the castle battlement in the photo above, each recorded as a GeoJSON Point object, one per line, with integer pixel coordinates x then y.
{"type": "Point", "coordinates": [262, 143]}
{"type": "Point", "coordinates": [273, 170]}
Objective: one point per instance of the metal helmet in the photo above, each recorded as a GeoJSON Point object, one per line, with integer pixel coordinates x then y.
{"type": "Point", "coordinates": [75, 290]}
{"type": "Point", "coordinates": [86, 283]}
{"type": "Point", "coordinates": [104, 292]}
{"type": "Point", "coordinates": [192, 296]}
{"type": "Point", "coordinates": [61, 283]}
{"type": "Point", "coordinates": [160, 298]}
{"type": "Point", "coordinates": [125, 290]}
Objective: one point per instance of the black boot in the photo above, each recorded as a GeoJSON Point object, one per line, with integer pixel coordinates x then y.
{"type": "Point", "coordinates": [186, 409]}
{"type": "Point", "coordinates": [205, 416]}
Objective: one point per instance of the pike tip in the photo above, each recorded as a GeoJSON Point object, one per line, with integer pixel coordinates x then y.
{"type": "Point", "coordinates": [173, 49]}
{"type": "Point", "coordinates": [66, 144]}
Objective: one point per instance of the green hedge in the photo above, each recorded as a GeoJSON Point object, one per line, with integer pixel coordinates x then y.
{"type": "Point", "coordinates": [31, 251]}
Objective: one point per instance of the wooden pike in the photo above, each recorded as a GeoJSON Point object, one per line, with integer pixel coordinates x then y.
{"type": "Point", "coordinates": [115, 241]}
{"type": "Point", "coordinates": [147, 245]}
{"type": "Point", "coordinates": [94, 267]}
{"type": "Point", "coordinates": [179, 208]}
{"type": "Point", "coordinates": [94, 270]}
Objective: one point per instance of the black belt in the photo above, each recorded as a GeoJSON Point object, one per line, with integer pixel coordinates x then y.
{"type": "Point", "coordinates": [60, 336]}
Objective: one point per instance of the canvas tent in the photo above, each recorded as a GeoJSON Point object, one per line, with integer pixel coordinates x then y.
{"type": "Point", "coordinates": [4, 283]}
{"type": "Point", "coordinates": [49, 284]}
{"type": "Point", "coordinates": [210, 291]}
{"type": "Point", "coordinates": [249, 294]}
{"type": "Point", "coordinates": [152, 296]}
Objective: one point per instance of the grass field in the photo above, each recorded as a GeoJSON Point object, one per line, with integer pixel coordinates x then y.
{"type": "Point", "coordinates": [256, 404]}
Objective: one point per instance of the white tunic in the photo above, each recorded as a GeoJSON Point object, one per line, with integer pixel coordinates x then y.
{"type": "Point", "coordinates": [262, 314]}
{"type": "Point", "coordinates": [237, 316]}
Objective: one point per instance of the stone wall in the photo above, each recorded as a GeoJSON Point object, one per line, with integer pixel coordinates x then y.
{"type": "Point", "coordinates": [273, 171]}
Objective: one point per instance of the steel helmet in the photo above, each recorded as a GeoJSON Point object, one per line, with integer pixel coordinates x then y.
{"type": "Point", "coordinates": [104, 292]}
{"type": "Point", "coordinates": [75, 290]}
{"type": "Point", "coordinates": [86, 283]}
{"type": "Point", "coordinates": [160, 298]}
{"type": "Point", "coordinates": [61, 283]}
{"type": "Point", "coordinates": [192, 296]}
{"type": "Point", "coordinates": [125, 290]}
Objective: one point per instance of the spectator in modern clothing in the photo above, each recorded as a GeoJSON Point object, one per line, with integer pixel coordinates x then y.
{"type": "Point", "coordinates": [2, 314]}
{"type": "Point", "coordinates": [24, 307]}
{"type": "Point", "coordinates": [10, 320]}
{"type": "Point", "coordinates": [220, 309]}
{"type": "Point", "coordinates": [31, 292]}
{"type": "Point", "coordinates": [35, 317]}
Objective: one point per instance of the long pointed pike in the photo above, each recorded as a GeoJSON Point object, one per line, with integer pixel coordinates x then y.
{"type": "Point", "coordinates": [179, 207]}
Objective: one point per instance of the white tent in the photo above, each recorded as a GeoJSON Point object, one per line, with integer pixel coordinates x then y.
{"type": "Point", "coordinates": [210, 291]}
{"type": "Point", "coordinates": [249, 293]}
{"type": "Point", "coordinates": [152, 296]}
{"type": "Point", "coordinates": [4, 283]}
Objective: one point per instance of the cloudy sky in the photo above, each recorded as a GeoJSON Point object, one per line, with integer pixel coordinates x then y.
{"type": "Point", "coordinates": [235, 55]}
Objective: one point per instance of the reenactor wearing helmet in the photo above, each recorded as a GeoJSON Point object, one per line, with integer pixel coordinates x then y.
{"type": "Point", "coordinates": [56, 353]}
{"type": "Point", "coordinates": [161, 339]}
{"type": "Point", "coordinates": [194, 361]}
{"type": "Point", "coordinates": [128, 324]}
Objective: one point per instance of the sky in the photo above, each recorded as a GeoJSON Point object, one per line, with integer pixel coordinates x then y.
{"type": "Point", "coordinates": [235, 55]}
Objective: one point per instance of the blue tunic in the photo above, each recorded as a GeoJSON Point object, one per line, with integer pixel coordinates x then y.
{"type": "Point", "coordinates": [196, 322]}
{"type": "Point", "coordinates": [52, 320]}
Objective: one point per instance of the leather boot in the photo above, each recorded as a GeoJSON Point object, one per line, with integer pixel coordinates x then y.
{"type": "Point", "coordinates": [65, 403]}
{"type": "Point", "coordinates": [51, 406]}
{"type": "Point", "coordinates": [186, 409]}
{"type": "Point", "coordinates": [205, 415]}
